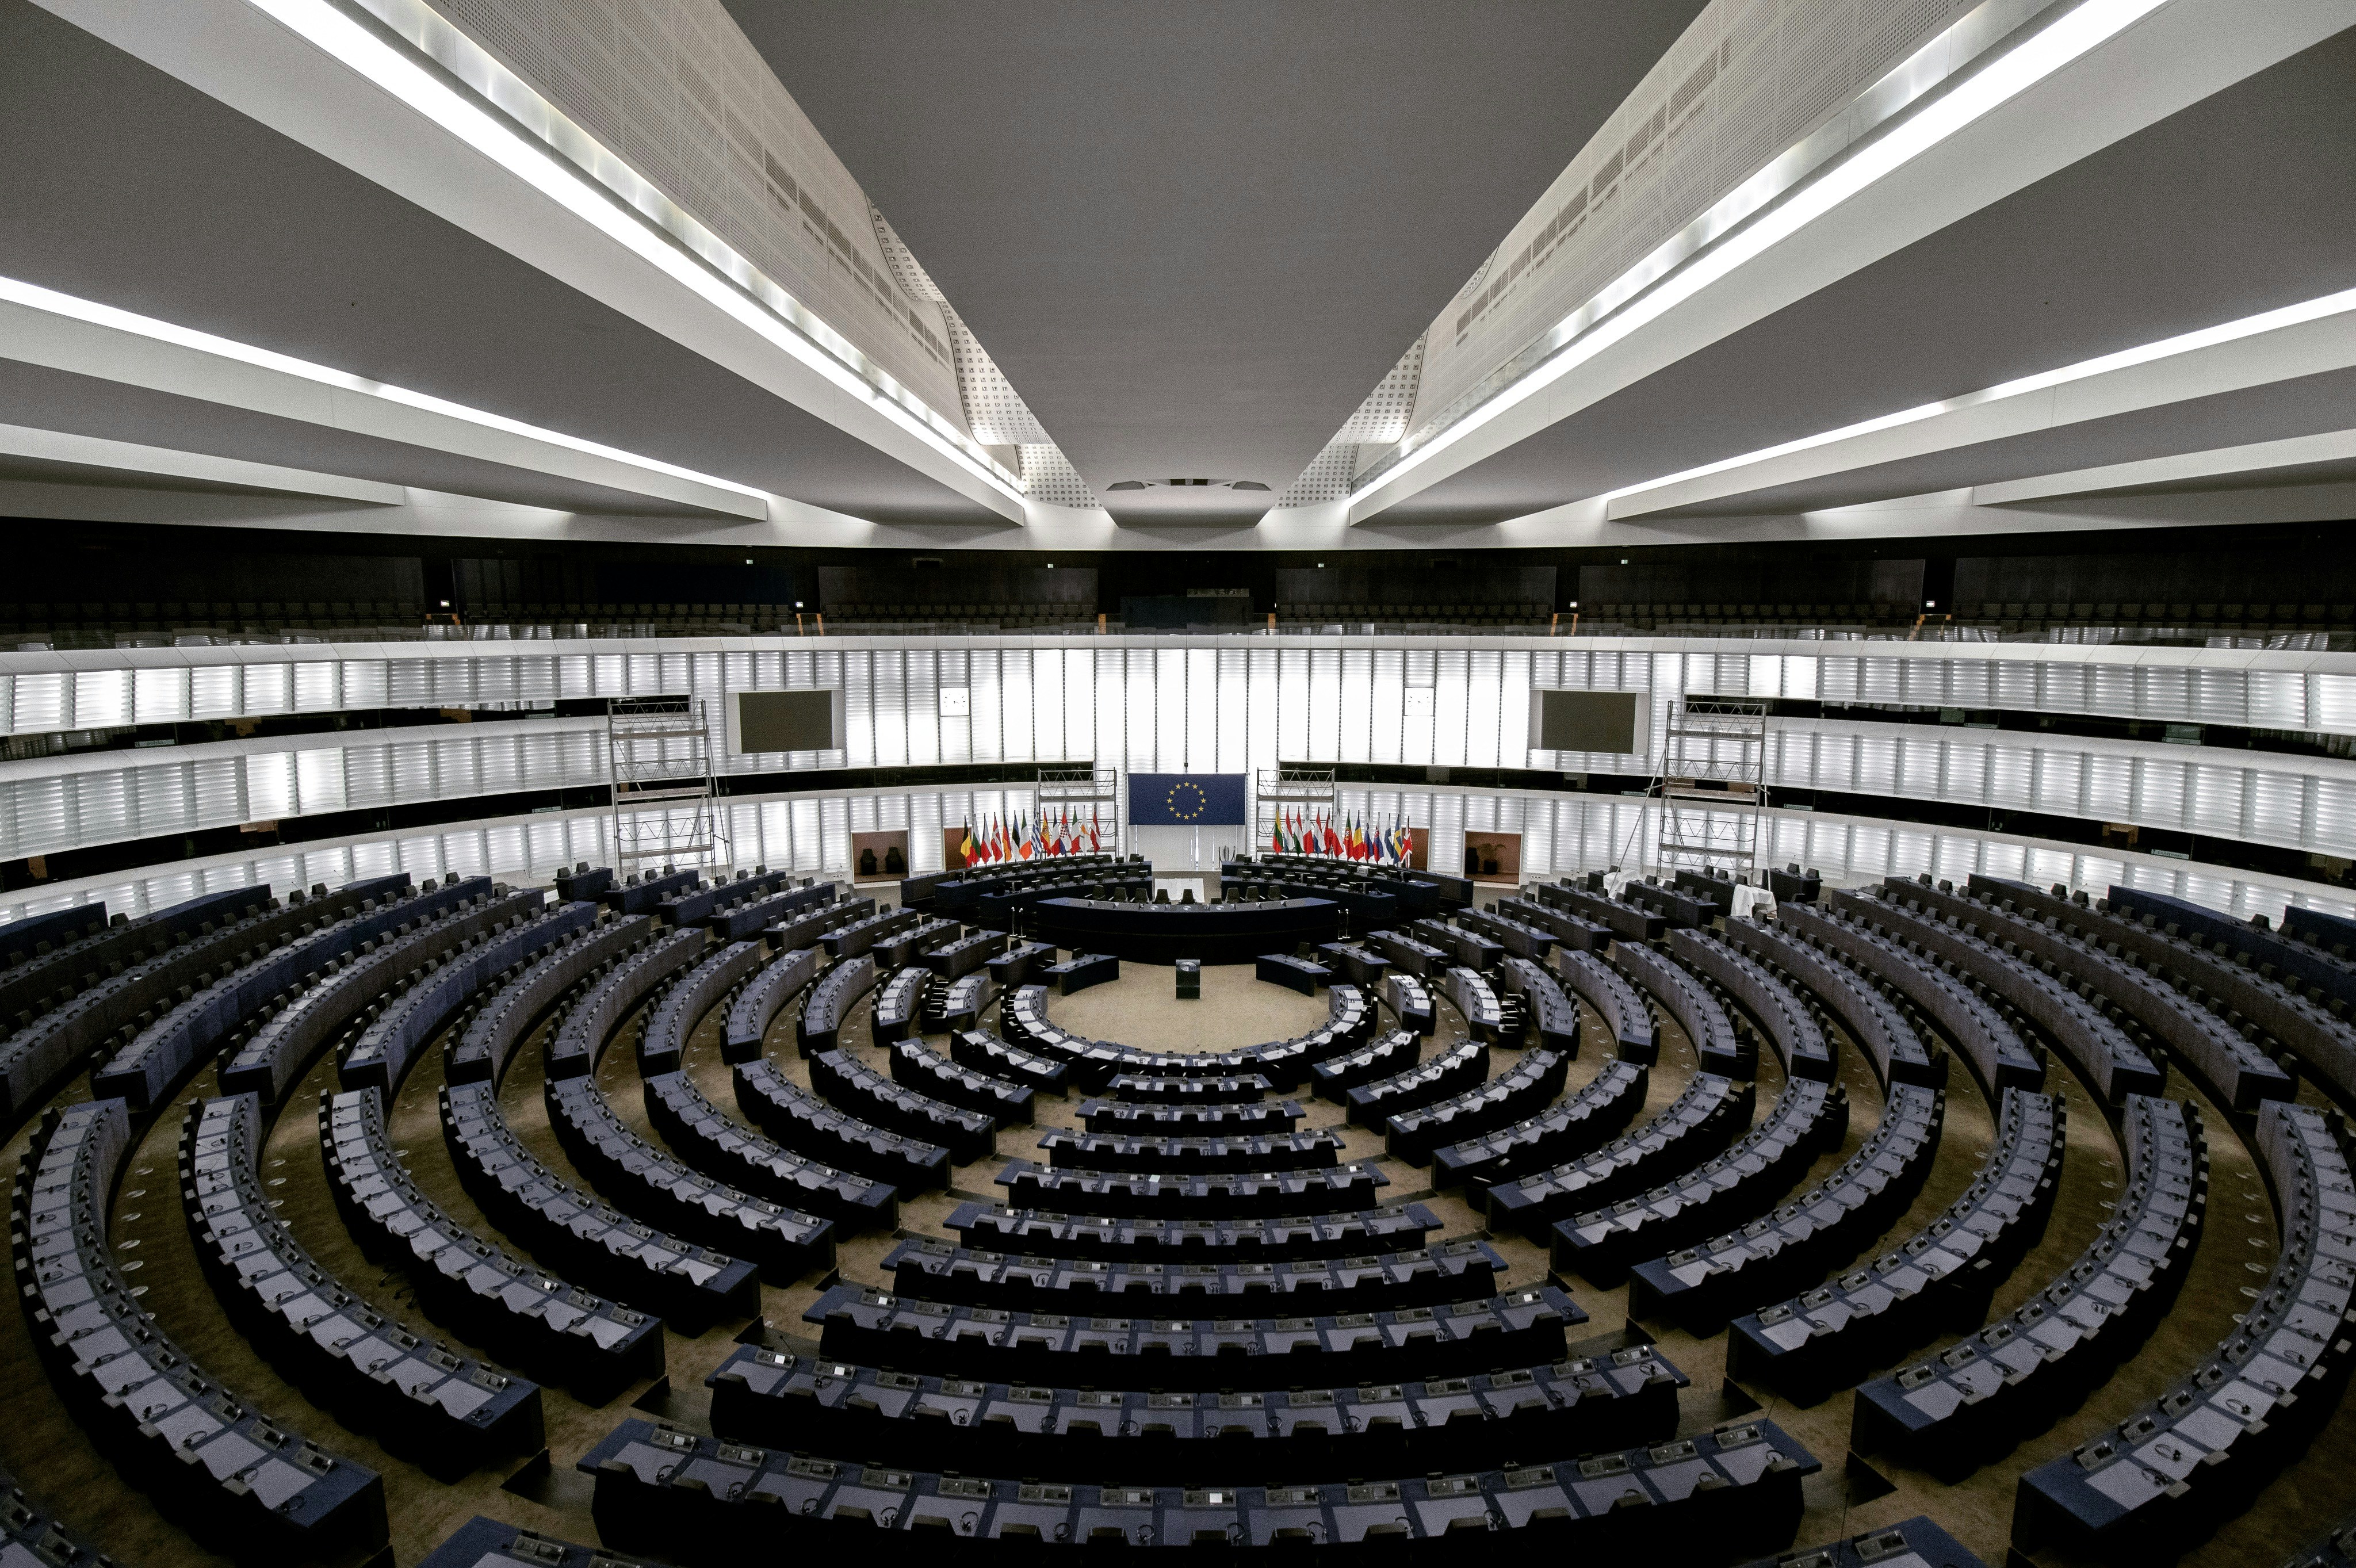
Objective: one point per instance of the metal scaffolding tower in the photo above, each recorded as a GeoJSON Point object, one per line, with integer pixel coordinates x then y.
{"type": "Point", "coordinates": [658, 756]}
{"type": "Point", "coordinates": [1280, 791]}
{"type": "Point", "coordinates": [1713, 786]}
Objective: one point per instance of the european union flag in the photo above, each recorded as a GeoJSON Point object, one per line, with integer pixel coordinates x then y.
{"type": "Point", "coordinates": [1187, 799]}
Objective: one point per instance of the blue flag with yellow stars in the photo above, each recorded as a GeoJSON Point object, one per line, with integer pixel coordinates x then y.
{"type": "Point", "coordinates": [1188, 799]}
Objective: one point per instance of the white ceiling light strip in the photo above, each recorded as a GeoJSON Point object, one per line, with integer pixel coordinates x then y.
{"type": "Point", "coordinates": [558, 159]}
{"type": "Point", "coordinates": [1772, 205]}
{"type": "Point", "coordinates": [32, 297]}
{"type": "Point", "coordinates": [2304, 313]}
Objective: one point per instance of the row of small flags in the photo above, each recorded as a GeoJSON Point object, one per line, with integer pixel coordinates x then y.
{"type": "Point", "coordinates": [1030, 838]}
{"type": "Point", "coordinates": [1300, 831]}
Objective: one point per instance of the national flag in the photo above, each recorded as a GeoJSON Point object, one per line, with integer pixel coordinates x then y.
{"type": "Point", "coordinates": [1332, 838]}
{"type": "Point", "coordinates": [1276, 836]}
{"type": "Point", "coordinates": [1094, 846]}
{"type": "Point", "coordinates": [966, 848]}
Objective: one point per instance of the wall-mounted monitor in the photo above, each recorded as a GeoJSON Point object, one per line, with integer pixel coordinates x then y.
{"type": "Point", "coordinates": [1617, 723]}
{"type": "Point", "coordinates": [805, 720]}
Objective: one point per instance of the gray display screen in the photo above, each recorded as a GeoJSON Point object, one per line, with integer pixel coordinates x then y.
{"type": "Point", "coordinates": [1589, 721]}
{"type": "Point", "coordinates": [785, 721]}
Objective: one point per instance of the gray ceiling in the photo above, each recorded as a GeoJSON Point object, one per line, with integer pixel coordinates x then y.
{"type": "Point", "coordinates": [1194, 233]}
{"type": "Point", "coordinates": [123, 185]}
{"type": "Point", "coordinates": [2244, 201]}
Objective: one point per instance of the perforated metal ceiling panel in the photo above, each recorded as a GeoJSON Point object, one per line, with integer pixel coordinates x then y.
{"type": "Point", "coordinates": [1196, 235]}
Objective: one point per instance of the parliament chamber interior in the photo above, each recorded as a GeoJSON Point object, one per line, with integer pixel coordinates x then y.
{"type": "Point", "coordinates": [1691, 900]}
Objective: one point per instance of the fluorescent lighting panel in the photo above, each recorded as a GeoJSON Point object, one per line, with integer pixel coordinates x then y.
{"type": "Point", "coordinates": [2093, 23]}
{"type": "Point", "coordinates": [33, 296]}
{"type": "Point", "coordinates": [785, 322]}
{"type": "Point", "coordinates": [2302, 314]}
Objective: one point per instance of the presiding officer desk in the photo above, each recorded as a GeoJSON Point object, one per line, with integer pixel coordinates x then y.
{"type": "Point", "coordinates": [1160, 933]}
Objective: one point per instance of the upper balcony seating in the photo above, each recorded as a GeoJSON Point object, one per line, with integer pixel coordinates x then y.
{"type": "Point", "coordinates": [581, 1035]}
{"type": "Point", "coordinates": [802, 1122]}
{"type": "Point", "coordinates": [1216, 1154]}
{"type": "Point", "coordinates": [449, 1411]}
{"type": "Point", "coordinates": [2212, 1047]}
{"type": "Point", "coordinates": [935, 1270]}
{"type": "Point", "coordinates": [1716, 1195]}
{"type": "Point", "coordinates": [2201, 1452]}
{"type": "Point", "coordinates": [1684, 998]}
{"type": "Point", "coordinates": [1710, 1113]}
{"type": "Point", "coordinates": [2286, 1004]}
{"type": "Point", "coordinates": [2082, 1028]}
{"type": "Point", "coordinates": [1624, 921]}
{"type": "Point", "coordinates": [692, 1127]}
{"type": "Point", "coordinates": [1897, 1055]}
{"type": "Point", "coordinates": [284, 1044]}
{"type": "Point", "coordinates": [1410, 1001]}
{"type": "Point", "coordinates": [1464, 1065]}
{"type": "Point", "coordinates": [850, 1085]}
{"type": "Point", "coordinates": [1800, 1044]}
{"type": "Point", "coordinates": [1973, 1401]}
{"type": "Point", "coordinates": [1160, 1437]}
{"type": "Point", "coordinates": [994, 1226]}
{"type": "Point", "coordinates": [1563, 1131]}
{"type": "Point", "coordinates": [1519, 1328]}
{"type": "Point", "coordinates": [279, 952]}
{"type": "Point", "coordinates": [1686, 1501]}
{"type": "Point", "coordinates": [691, 1286]}
{"type": "Point", "coordinates": [559, 1332]}
{"type": "Point", "coordinates": [1394, 1053]}
{"type": "Point", "coordinates": [1338, 1189]}
{"type": "Point", "coordinates": [1977, 1027]}
{"type": "Point", "coordinates": [662, 1044]}
{"type": "Point", "coordinates": [917, 1065]}
{"type": "Point", "coordinates": [1635, 1032]}
{"type": "Point", "coordinates": [1532, 1083]}
{"type": "Point", "coordinates": [980, 1051]}
{"type": "Point", "coordinates": [1261, 1116]}
{"type": "Point", "coordinates": [832, 997]}
{"type": "Point", "coordinates": [764, 997]}
{"type": "Point", "coordinates": [1937, 1282]}
{"type": "Point", "coordinates": [1702, 1286]}
{"type": "Point", "coordinates": [387, 1048]}
{"type": "Point", "coordinates": [237, 1476]}
{"type": "Point", "coordinates": [1554, 1014]}
{"type": "Point", "coordinates": [1572, 933]}
{"type": "Point", "coordinates": [480, 1052]}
